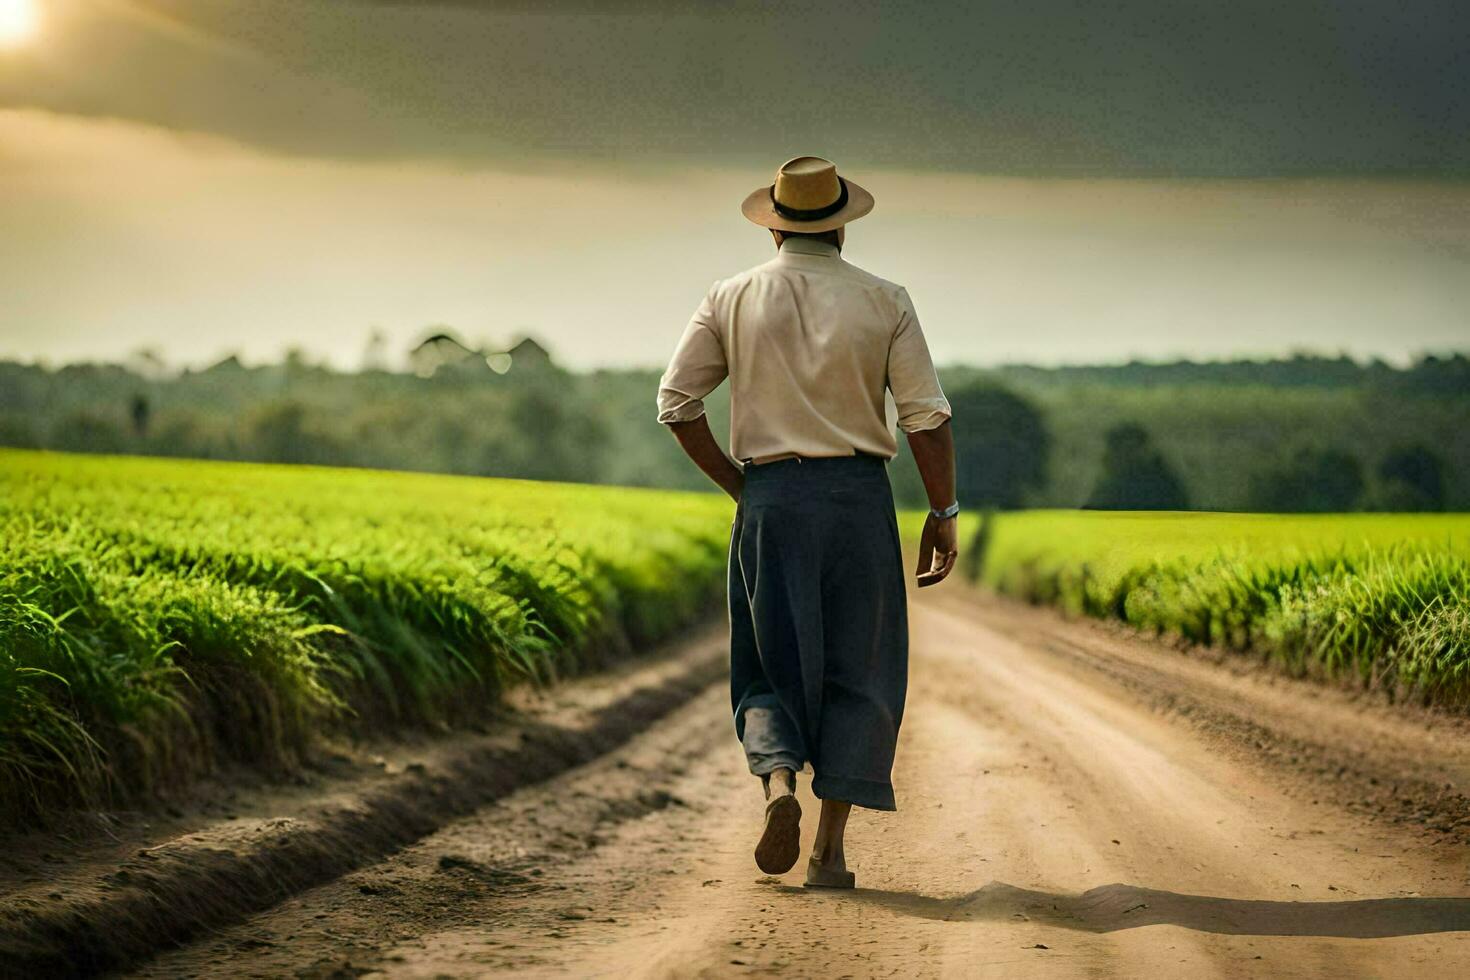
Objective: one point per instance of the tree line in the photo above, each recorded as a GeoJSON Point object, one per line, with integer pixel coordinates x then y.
{"type": "Point", "coordinates": [1299, 434]}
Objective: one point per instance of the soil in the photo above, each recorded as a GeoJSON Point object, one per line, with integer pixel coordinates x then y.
{"type": "Point", "coordinates": [101, 891]}
{"type": "Point", "coordinates": [1073, 801]}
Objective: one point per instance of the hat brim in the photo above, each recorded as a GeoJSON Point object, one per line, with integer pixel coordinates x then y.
{"type": "Point", "coordinates": [759, 208]}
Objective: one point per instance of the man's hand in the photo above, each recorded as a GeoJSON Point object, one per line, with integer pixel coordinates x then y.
{"type": "Point", "coordinates": [939, 544]}
{"type": "Point", "coordinates": [938, 549]}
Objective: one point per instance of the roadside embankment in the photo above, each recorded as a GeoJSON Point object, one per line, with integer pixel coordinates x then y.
{"type": "Point", "coordinates": [103, 899]}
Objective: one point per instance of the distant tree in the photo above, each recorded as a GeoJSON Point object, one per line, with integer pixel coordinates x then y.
{"type": "Point", "coordinates": [276, 432]}
{"type": "Point", "coordinates": [549, 438]}
{"type": "Point", "coordinates": [1412, 478]}
{"type": "Point", "coordinates": [17, 432]}
{"type": "Point", "coordinates": [1135, 476]}
{"type": "Point", "coordinates": [184, 432]}
{"type": "Point", "coordinates": [87, 432]}
{"type": "Point", "coordinates": [1446, 375]}
{"type": "Point", "coordinates": [1311, 481]}
{"type": "Point", "coordinates": [141, 412]}
{"type": "Point", "coordinates": [1001, 446]}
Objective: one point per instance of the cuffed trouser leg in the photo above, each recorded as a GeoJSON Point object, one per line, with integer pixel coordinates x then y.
{"type": "Point", "coordinates": [770, 738]}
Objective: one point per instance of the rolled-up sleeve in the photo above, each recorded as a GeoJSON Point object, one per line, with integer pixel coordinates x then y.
{"type": "Point", "coordinates": [911, 377]}
{"type": "Point", "coordinates": [696, 369]}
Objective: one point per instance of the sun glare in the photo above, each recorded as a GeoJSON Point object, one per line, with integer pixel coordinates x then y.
{"type": "Point", "coordinates": [19, 21]}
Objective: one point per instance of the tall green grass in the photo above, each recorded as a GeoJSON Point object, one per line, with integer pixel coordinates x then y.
{"type": "Point", "coordinates": [1383, 599]}
{"type": "Point", "coordinates": [157, 617]}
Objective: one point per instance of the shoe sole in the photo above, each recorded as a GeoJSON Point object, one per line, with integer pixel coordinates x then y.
{"type": "Point", "coordinates": [780, 843]}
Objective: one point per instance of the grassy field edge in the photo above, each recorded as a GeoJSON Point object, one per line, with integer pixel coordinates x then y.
{"type": "Point", "coordinates": [159, 617]}
{"type": "Point", "coordinates": [1377, 600]}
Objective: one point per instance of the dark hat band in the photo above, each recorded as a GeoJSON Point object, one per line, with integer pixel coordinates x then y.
{"type": "Point", "coordinates": [811, 214]}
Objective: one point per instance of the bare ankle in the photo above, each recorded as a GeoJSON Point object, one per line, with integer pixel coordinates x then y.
{"type": "Point", "coordinates": [779, 782]}
{"type": "Point", "coordinates": [829, 856]}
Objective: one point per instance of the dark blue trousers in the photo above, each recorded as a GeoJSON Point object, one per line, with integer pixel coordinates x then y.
{"type": "Point", "coordinates": [819, 624]}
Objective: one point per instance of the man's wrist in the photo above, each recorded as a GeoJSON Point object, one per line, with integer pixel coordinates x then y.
{"type": "Point", "coordinates": [944, 513]}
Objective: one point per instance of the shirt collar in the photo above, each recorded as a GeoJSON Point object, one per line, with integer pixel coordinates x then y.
{"type": "Point", "coordinates": [808, 246]}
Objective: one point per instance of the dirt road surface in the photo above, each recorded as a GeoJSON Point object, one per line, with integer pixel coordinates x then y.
{"type": "Point", "coordinates": [1073, 802]}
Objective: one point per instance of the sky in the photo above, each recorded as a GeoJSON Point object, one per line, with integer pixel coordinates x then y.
{"type": "Point", "coordinates": [1056, 180]}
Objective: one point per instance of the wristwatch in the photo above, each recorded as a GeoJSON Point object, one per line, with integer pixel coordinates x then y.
{"type": "Point", "coordinates": [947, 512]}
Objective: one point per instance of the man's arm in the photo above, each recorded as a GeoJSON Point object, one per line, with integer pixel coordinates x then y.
{"type": "Point", "coordinates": [939, 544]}
{"type": "Point", "coordinates": [699, 444]}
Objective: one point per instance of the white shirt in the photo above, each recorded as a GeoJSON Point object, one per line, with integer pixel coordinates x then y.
{"type": "Point", "coordinates": [810, 344]}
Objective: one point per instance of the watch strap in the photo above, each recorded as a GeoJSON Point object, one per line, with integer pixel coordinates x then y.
{"type": "Point", "coordinates": [947, 512]}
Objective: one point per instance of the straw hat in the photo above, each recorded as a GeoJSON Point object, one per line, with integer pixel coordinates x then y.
{"type": "Point", "coordinates": [807, 196]}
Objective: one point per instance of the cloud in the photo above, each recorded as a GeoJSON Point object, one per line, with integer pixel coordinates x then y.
{"type": "Point", "coordinates": [118, 235]}
{"type": "Point", "coordinates": [1071, 87]}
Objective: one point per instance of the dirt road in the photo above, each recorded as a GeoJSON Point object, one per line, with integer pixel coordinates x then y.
{"type": "Point", "coordinates": [1072, 803]}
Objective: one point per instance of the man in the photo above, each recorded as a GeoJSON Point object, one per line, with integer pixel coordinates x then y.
{"type": "Point", "coordinates": [818, 619]}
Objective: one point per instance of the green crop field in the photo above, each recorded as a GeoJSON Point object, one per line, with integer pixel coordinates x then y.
{"type": "Point", "coordinates": [157, 617]}
{"type": "Point", "coordinates": [1384, 598]}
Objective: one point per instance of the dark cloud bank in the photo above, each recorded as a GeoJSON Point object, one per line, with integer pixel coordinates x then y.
{"type": "Point", "coordinates": [1186, 87]}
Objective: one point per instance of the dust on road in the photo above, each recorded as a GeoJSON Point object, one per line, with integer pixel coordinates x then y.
{"type": "Point", "coordinates": [1052, 823]}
